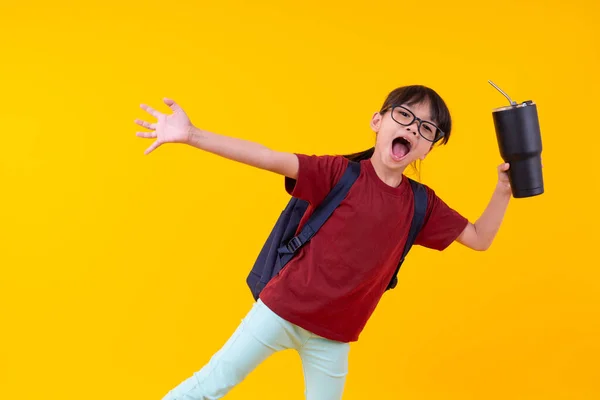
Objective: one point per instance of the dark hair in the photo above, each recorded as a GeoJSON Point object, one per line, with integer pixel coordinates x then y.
{"type": "Point", "coordinates": [412, 95]}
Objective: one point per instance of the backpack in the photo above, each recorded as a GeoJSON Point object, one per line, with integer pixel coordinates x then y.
{"type": "Point", "coordinates": [282, 244]}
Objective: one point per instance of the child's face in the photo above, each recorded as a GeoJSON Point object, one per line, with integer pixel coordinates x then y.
{"type": "Point", "coordinates": [397, 145]}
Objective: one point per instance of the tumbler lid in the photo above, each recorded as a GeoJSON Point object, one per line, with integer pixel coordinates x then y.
{"type": "Point", "coordinates": [523, 104]}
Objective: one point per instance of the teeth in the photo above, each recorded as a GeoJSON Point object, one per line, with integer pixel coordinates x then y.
{"type": "Point", "coordinates": [405, 140]}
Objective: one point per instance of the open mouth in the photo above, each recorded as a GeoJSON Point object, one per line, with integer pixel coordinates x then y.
{"type": "Point", "coordinates": [400, 148]}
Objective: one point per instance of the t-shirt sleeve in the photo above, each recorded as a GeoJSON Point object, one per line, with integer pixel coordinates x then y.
{"type": "Point", "coordinates": [317, 175]}
{"type": "Point", "coordinates": [442, 225]}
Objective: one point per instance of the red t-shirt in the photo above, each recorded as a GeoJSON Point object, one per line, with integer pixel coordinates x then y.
{"type": "Point", "coordinates": [333, 284]}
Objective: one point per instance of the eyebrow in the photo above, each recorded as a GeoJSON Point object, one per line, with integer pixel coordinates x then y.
{"type": "Point", "coordinates": [424, 119]}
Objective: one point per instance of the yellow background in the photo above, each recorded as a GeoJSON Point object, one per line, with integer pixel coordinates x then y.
{"type": "Point", "coordinates": [121, 274]}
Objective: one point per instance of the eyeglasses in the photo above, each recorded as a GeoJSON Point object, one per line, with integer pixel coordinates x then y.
{"type": "Point", "coordinates": [428, 130]}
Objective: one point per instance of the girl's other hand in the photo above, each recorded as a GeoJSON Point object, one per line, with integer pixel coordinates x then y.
{"type": "Point", "coordinates": [172, 128]}
{"type": "Point", "coordinates": [503, 181]}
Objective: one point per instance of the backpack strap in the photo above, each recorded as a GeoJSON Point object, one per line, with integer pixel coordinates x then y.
{"type": "Point", "coordinates": [321, 213]}
{"type": "Point", "coordinates": [420, 202]}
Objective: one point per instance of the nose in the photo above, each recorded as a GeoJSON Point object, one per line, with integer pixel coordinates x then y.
{"type": "Point", "coordinates": [414, 127]}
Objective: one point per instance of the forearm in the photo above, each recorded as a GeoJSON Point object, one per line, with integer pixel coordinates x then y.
{"type": "Point", "coordinates": [244, 151]}
{"type": "Point", "coordinates": [489, 222]}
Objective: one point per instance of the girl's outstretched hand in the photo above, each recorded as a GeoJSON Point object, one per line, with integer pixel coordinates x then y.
{"type": "Point", "coordinates": [172, 128]}
{"type": "Point", "coordinates": [503, 181]}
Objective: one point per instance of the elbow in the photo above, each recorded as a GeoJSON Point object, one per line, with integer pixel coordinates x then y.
{"type": "Point", "coordinates": [474, 239]}
{"type": "Point", "coordinates": [483, 241]}
{"type": "Point", "coordinates": [483, 246]}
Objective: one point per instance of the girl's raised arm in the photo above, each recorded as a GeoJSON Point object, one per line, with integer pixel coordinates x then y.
{"type": "Point", "coordinates": [177, 128]}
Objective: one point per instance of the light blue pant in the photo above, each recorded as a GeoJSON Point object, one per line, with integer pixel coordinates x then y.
{"type": "Point", "coordinates": [262, 333]}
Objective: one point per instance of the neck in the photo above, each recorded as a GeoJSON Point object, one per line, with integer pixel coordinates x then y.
{"type": "Point", "coordinates": [391, 177]}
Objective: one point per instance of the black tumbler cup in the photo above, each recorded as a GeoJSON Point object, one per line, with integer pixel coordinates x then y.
{"type": "Point", "coordinates": [520, 142]}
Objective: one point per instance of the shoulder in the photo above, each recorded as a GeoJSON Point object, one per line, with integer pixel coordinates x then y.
{"type": "Point", "coordinates": [317, 175]}
{"type": "Point", "coordinates": [433, 201]}
{"type": "Point", "coordinates": [438, 211]}
{"type": "Point", "coordinates": [323, 159]}
{"type": "Point", "coordinates": [423, 188]}
{"type": "Point", "coordinates": [331, 165]}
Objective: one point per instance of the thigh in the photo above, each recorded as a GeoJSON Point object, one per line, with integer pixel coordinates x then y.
{"type": "Point", "coordinates": [257, 337]}
{"type": "Point", "coordinates": [325, 365]}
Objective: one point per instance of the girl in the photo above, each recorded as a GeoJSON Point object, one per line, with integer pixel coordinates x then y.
{"type": "Point", "coordinates": [322, 299]}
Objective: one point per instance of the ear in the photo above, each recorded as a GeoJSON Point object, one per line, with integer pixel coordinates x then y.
{"type": "Point", "coordinates": [376, 122]}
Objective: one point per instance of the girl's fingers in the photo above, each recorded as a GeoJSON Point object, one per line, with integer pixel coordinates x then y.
{"type": "Point", "coordinates": [150, 110]}
{"type": "Point", "coordinates": [145, 124]}
{"type": "Point", "coordinates": [148, 135]}
{"type": "Point", "coordinates": [152, 147]}
{"type": "Point", "coordinates": [171, 103]}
